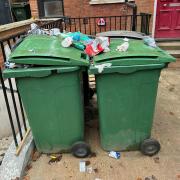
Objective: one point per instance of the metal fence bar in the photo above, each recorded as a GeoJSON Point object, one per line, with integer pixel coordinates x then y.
{"type": "Point", "coordinates": [126, 22]}
{"type": "Point", "coordinates": [22, 111]}
{"type": "Point", "coordinates": [8, 110]}
{"type": "Point", "coordinates": [15, 108]}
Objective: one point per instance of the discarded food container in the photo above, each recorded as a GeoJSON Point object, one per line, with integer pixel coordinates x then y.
{"type": "Point", "coordinates": [51, 91]}
{"type": "Point", "coordinates": [126, 95]}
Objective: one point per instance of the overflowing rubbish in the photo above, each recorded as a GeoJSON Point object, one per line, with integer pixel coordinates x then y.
{"type": "Point", "coordinates": [100, 44]}
{"type": "Point", "coordinates": [67, 42]}
{"type": "Point", "coordinates": [35, 29]}
{"type": "Point", "coordinates": [123, 47]}
{"type": "Point", "coordinates": [149, 41]}
{"type": "Point", "coordinates": [114, 154]}
{"type": "Point", "coordinates": [9, 65]}
{"type": "Point", "coordinates": [81, 41]}
{"type": "Point", "coordinates": [102, 66]}
{"type": "Point", "coordinates": [55, 32]}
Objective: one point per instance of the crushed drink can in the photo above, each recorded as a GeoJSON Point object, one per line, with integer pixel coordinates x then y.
{"type": "Point", "coordinates": [114, 154]}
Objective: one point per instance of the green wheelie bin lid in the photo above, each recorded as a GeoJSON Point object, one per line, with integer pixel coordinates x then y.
{"type": "Point", "coordinates": [139, 56]}
{"type": "Point", "coordinates": [47, 50]}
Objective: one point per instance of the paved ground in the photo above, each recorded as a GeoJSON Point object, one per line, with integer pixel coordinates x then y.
{"type": "Point", "coordinates": [131, 165]}
{"type": "Point", "coordinates": [4, 145]}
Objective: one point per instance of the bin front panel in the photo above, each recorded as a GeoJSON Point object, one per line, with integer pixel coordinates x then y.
{"type": "Point", "coordinates": [53, 105]}
{"type": "Point", "coordinates": [126, 107]}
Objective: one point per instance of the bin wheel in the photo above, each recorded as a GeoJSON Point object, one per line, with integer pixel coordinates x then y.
{"type": "Point", "coordinates": [150, 147]}
{"type": "Point", "coordinates": [80, 149]}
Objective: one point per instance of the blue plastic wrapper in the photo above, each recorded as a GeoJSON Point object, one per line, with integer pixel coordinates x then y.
{"type": "Point", "coordinates": [115, 154]}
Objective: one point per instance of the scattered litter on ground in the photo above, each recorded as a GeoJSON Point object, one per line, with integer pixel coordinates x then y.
{"type": "Point", "coordinates": [55, 158]}
{"type": "Point", "coordinates": [82, 166]}
{"type": "Point", "coordinates": [156, 159]}
{"type": "Point", "coordinates": [91, 170]}
{"type": "Point", "coordinates": [114, 154]}
{"type": "Point", "coordinates": [151, 178]}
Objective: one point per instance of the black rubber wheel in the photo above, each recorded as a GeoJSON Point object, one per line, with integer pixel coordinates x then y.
{"type": "Point", "coordinates": [80, 149]}
{"type": "Point", "coordinates": [150, 147]}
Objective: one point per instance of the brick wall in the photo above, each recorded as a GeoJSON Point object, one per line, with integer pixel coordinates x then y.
{"type": "Point", "coordinates": [81, 8]}
{"type": "Point", "coordinates": [146, 6]}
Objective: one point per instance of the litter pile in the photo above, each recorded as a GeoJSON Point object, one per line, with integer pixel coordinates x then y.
{"type": "Point", "coordinates": [92, 46]}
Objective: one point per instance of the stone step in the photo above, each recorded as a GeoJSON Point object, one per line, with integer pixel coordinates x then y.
{"type": "Point", "coordinates": [174, 45]}
{"type": "Point", "coordinates": [175, 64]}
{"type": "Point", "coordinates": [175, 53]}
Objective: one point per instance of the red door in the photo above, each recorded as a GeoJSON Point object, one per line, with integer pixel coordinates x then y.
{"type": "Point", "coordinates": [168, 19]}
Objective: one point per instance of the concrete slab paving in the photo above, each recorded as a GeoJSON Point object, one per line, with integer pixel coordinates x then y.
{"type": "Point", "coordinates": [12, 167]}
{"type": "Point", "coordinates": [132, 165]}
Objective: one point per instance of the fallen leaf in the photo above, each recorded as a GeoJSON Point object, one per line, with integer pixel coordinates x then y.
{"type": "Point", "coordinates": [36, 155]}
{"type": "Point", "coordinates": [178, 176]}
{"type": "Point", "coordinates": [156, 159]}
{"type": "Point", "coordinates": [171, 89]}
{"type": "Point", "coordinates": [28, 167]}
{"type": "Point", "coordinates": [96, 170]}
{"type": "Point", "coordinates": [139, 178]}
{"type": "Point", "coordinates": [171, 113]}
{"type": "Point", "coordinates": [2, 154]}
{"type": "Point", "coordinates": [88, 163]}
{"type": "Point", "coordinates": [26, 178]}
{"type": "Point", "coordinates": [93, 154]}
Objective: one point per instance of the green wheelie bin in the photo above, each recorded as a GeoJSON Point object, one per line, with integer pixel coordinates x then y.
{"type": "Point", "coordinates": [126, 95]}
{"type": "Point", "coordinates": [21, 11]}
{"type": "Point", "coordinates": [49, 80]}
